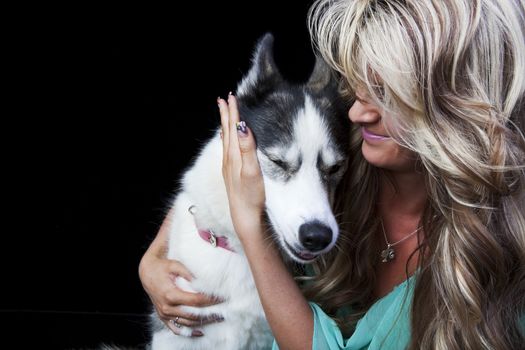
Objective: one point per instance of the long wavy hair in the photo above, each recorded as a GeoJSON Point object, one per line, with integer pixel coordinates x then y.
{"type": "Point", "coordinates": [451, 75]}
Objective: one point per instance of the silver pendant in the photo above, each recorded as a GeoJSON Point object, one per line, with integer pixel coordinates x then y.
{"type": "Point", "coordinates": [388, 254]}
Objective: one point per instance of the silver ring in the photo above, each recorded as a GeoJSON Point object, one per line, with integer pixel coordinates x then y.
{"type": "Point", "coordinates": [175, 322]}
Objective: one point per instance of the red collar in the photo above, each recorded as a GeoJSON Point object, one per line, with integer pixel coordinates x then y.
{"type": "Point", "coordinates": [215, 241]}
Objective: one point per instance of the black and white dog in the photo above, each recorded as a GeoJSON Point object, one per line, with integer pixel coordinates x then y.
{"type": "Point", "coordinates": [302, 136]}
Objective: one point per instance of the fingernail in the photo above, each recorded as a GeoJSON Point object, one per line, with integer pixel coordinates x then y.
{"type": "Point", "coordinates": [219, 101]}
{"type": "Point", "coordinates": [241, 128]}
{"type": "Point", "coordinates": [220, 133]}
{"type": "Point", "coordinates": [213, 318]}
{"type": "Point", "coordinates": [196, 333]}
{"type": "Point", "coordinates": [230, 93]}
{"type": "Point", "coordinates": [217, 299]}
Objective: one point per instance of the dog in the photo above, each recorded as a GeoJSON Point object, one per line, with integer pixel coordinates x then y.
{"type": "Point", "coordinates": [302, 136]}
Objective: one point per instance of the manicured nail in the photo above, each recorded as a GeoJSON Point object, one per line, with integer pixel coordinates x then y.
{"type": "Point", "coordinates": [217, 300]}
{"type": "Point", "coordinates": [196, 333]}
{"type": "Point", "coordinates": [212, 317]}
{"type": "Point", "coordinates": [241, 128]}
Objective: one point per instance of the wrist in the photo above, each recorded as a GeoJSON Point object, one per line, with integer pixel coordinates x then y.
{"type": "Point", "coordinates": [253, 231]}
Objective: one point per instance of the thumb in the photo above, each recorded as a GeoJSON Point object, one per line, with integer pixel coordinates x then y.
{"type": "Point", "coordinates": [176, 268]}
{"type": "Point", "coordinates": [247, 148]}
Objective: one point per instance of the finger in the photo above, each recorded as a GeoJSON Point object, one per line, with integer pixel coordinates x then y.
{"type": "Point", "coordinates": [172, 326]}
{"type": "Point", "coordinates": [233, 112]}
{"type": "Point", "coordinates": [170, 312]}
{"type": "Point", "coordinates": [250, 163]}
{"type": "Point", "coordinates": [175, 297]}
{"type": "Point", "coordinates": [224, 112]}
{"type": "Point", "coordinates": [199, 321]}
{"type": "Point", "coordinates": [174, 312]}
{"type": "Point", "coordinates": [189, 323]}
{"type": "Point", "coordinates": [181, 330]}
{"type": "Point", "coordinates": [211, 319]}
{"type": "Point", "coordinates": [178, 269]}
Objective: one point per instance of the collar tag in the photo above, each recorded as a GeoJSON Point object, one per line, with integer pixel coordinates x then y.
{"type": "Point", "coordinates": [213, 239]}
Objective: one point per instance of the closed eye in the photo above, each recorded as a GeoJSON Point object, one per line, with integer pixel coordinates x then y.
{"type": "Point", "coordinates": [334, 169]}
{"type": "Point", "coordinates": [280, 163]}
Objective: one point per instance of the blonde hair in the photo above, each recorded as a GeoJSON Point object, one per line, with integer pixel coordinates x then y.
{"type": "Point", "coordinates": [451, 75]}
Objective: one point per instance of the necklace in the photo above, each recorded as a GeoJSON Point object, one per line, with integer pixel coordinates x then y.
{"type": "Point", "coordinates": [389, 253]}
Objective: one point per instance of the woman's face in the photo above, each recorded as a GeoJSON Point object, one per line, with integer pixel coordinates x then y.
{"type": "Point", "coordinates": [378, 148]}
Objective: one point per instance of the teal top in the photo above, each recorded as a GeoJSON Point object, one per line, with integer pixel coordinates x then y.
{"type": "Point", "coordinates": [385, 326]}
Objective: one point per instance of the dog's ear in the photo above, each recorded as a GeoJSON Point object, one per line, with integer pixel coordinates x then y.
{"type": "Point", "coordinates": [263, 75]}
{"type": "Point", "coordinates": [322, 77]}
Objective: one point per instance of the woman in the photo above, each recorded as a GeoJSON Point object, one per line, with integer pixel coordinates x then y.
{"type": "Point", "coordinates": [433, 251]}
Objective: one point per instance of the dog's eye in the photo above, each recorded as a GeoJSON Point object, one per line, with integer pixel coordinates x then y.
{"type": "Point", "coordinates": [280, 163]}
{"type": "Point", "coordinates": [330, 171]}
{"type": "Point", "coordinates": [333, 169]}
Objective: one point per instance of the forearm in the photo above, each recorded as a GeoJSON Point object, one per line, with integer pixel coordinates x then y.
{"type": "Point", "coordinates": [158, 247]}
{"type": "Point", "coordinates": [287, 311]}
{"type": "Point", "coordinates": [159, 244]}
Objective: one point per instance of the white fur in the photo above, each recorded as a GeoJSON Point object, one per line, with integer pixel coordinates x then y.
{"type": "Point", "coordinates": [306, 198]}
{"type": "Point", "coordinates": [217, 271]}
{"type": "Point", "coordinates": [226, 274]}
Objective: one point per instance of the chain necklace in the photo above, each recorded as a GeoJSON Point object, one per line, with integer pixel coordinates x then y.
{"type": "Point", "coordinates": [389, 253]}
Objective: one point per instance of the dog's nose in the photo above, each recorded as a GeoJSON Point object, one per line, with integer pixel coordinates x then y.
{"type": "Point", "coordinates": [315, 236]}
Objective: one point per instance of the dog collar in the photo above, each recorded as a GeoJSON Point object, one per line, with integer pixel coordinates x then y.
{"type": "Point", "coordinates": [215, 241]}
{"type": "Point", "coordinates": [209, 236]}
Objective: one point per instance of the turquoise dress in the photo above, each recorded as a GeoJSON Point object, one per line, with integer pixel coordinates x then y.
{"type": "Point", "coordinates": [385, 326]}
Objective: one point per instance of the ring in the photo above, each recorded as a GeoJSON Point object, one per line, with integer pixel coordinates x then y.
{"type": "Point", "coordinates": [175, 322]}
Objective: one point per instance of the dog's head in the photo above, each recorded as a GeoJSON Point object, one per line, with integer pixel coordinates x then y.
{"type": "Point", "coordinates": [302, 134]}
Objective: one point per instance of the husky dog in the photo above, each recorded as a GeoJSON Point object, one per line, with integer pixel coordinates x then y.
{"type": "Point", "coordinates": [302, 136]}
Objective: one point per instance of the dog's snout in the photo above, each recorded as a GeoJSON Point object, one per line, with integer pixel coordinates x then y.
{"type": "Point", "coordinates": [315, 236]}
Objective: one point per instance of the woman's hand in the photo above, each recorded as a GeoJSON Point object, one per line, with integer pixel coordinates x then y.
{"type": "Point", "coordinates": [157, 274]}
{"type": "Point", "coordinates": [241, 171]}
{"type": "Point", "coordinates": [287, 311]}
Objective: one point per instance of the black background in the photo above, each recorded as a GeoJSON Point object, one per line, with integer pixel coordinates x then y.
{"type": "Point", "coordinates": [107, 106]}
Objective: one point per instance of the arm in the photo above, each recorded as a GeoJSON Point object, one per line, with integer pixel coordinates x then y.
{"type": "Point", "coordinates": [157, 274]}
{"type": "Point", "coordinates": [287, 311]}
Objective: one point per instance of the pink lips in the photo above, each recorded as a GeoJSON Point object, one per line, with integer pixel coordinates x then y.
{"type": "Point", "coordinates": [368, 136]}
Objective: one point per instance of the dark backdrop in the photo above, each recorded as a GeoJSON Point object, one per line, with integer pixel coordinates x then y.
{"type": "Point", "coordinates": [110, 104]}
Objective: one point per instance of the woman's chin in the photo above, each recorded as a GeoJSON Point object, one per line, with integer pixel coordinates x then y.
{"type": "Point", "coordinates": [389, 156]}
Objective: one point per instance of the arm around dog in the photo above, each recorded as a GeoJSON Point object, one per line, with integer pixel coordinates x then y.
{"type": "Point", "coordinates": [287, 311]}
{"type": "Point", "coordinates": [157, 274]}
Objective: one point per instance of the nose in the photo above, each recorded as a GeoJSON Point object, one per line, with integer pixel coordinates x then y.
{"type": "Point", "coordinates": [364, 113]}
{"type": "Point", "coordinates": [315, 236]}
